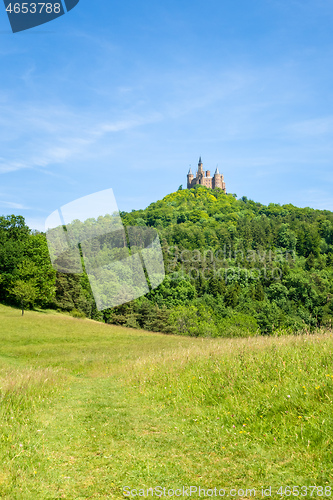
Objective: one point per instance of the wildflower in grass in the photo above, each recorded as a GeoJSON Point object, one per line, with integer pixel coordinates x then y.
{"type": "Point", "coordinates": [288, 396]}
{"type": "Point", "coordinates": [299, 416]}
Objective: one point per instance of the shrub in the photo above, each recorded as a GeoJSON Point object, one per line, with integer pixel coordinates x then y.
{"type": "Point", "coordinates": [77, 314]}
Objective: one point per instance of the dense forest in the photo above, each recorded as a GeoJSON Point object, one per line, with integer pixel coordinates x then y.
{"type": "Point", "coordinates": [233, 268]}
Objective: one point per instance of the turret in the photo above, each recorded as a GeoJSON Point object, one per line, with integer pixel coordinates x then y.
{"type": "Point", "coordinates": [200, 174]}
{"type": "Point", "coordinates": [223, 184]}
{"type": "Point", "coordinates": [218, 180]}
{"type": "Point", "coordinates": [189, 179]}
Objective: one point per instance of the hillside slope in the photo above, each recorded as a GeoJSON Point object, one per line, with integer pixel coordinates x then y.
{"type": "Point", "coordinates": [234, 267]}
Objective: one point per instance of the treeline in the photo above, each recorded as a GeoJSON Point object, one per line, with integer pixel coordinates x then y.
{"type": "Point", "coordinates": [234, 267]}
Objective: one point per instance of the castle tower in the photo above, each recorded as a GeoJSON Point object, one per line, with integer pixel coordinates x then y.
{"type": "Point", "coordinates": [200, 174]}
{"type": "Point", "coordinates": [189, 179]}
{"type": "Point", "coordinates": [218, 180]}
{"type": "Point", "coordinates": [223, 184]}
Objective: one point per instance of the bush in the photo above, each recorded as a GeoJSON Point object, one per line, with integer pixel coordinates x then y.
{"type": "Point", "coordinates": [238, 325]}
{"type": "Point", "coordinates": [77, 314]}
{"type": "Point", "coordinates": [192, 321]}
{"type": "Point", "coordinates": [270, 317]}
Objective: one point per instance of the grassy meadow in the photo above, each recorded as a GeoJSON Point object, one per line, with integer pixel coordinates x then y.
{"type": "Point", "coordinates": [88, 408]}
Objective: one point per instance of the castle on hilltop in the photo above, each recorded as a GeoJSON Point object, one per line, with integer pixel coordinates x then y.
{"type": "Point", "coordinates": [204, 179]}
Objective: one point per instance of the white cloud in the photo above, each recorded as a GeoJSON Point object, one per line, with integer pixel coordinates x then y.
{"type": "Point", "coordinates": [11, 204]}
{"type": "Point", "coordinates": [50, 136]}
{"type": "Point", "coordinates": [11, 166]}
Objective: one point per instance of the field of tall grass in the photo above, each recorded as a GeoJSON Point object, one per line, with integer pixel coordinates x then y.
{"type": "Point", "coordinates": [88, 409]}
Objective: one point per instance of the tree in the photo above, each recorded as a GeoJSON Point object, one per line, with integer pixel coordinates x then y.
{"type": "Point", "coordinates": [37, 265]}
{"type": "Point", "coordinates": [25, 292]}
{"type": "Point", "coordinates": [215, 286]}
{"type": "Point", "coordinates": [329, 261]}
{"type": "Point", "coordinates": [232, 295]}
{"type": "Point", "coordinates": [310, 262]}
{"type": "Point", "coordinates": [286, 238]}
{"type": "Point", "coordinates": [40, 275]}
{"type": "Point", "coordinates": [259, 293]}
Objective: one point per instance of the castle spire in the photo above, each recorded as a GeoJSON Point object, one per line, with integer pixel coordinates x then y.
{"type": "Point", "coordinates": [200, 170]}
{"type": "Point", "coordinates": [190, 172]}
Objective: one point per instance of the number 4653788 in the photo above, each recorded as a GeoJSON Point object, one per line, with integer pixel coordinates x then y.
{"type": "Point", "coordinates": [34, 8]}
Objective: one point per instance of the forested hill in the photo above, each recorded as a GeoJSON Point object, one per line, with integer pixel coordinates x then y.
{"type": "Point", "coordinates": [207, 218]}
{"type": "Point", "coordinates": [233, 267]}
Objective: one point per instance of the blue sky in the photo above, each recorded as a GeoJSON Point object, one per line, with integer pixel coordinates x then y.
{"type": "Point", "coordinates": [126, 95]}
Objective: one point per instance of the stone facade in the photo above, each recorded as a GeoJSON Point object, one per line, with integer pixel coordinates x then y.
{"type": "Point", "coordinates": [204, 178]}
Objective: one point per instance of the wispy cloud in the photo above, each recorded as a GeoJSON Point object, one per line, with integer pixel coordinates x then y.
{"type": "Point", "coordinates": [50, 136]}
{"type": "Point", "coordinates": [10, 204]}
